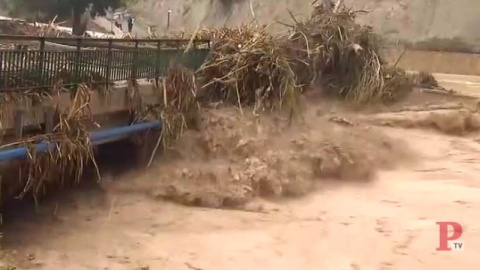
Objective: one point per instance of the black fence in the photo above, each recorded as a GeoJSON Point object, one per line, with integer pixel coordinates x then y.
{"type": "Point", "coordinates": [42, 62]}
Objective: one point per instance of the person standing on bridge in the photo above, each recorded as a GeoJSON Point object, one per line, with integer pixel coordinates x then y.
{"type": "Point", "coordinates": [130, 24]}
{"type": "Point", "coordinates": [118, 21]}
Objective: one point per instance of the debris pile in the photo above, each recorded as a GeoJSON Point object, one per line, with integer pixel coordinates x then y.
{"type": "Point", "coordinates": [344, 57]}
{"type": "Point", "coordinates": [250, 66]}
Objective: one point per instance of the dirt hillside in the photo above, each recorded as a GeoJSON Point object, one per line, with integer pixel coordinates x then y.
{"type": "Point", "coordinates": [413, 20]}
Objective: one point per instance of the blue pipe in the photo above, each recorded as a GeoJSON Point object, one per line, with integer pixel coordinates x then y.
{"type": "Point", "coordinates": [96, 138]}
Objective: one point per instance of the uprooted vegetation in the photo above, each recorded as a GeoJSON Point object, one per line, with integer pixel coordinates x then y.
{"type": "Point", "coordinates": [249, 67]}
{"type": "Point", "coordinates": [345, 56]}
{"type": "Point", "coordinates": [70, 151]}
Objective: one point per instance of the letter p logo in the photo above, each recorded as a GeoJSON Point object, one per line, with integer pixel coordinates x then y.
{"type": "Point", "coordinates": [445, 238]}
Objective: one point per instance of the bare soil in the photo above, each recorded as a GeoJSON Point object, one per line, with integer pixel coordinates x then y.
{"type": "Point", "coordinates": [337, 191]}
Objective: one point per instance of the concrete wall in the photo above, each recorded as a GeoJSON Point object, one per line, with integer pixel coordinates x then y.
{"type": "Point", "coordinates": [413, 20]}
{"type": "Point", "coordinates": [437, 62]}
{"type": "Point", "coordinates": [117, 101]}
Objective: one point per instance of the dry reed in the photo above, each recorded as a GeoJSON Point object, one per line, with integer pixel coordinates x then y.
{"type": "Point", "coordinates": [70, 150]}
{"type": "Point", "coordinates": [248, 67]}
{"type": "Point", "coordinates": [344, 57]}
{"type": "Point", "coordinates": [177, 106]}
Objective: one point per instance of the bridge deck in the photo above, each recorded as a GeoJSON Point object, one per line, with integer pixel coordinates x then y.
{"type": "Point", "coordinates": [101, 63]}
{"type": "Point", "coordinates": [94, 61]}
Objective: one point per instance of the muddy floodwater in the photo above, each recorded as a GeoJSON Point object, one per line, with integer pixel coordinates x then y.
{"type": "Point", "coordinates": [353, 190]}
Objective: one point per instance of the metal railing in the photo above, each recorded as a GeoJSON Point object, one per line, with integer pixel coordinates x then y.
{"type": "Point", "coordinates": [42, 62]}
